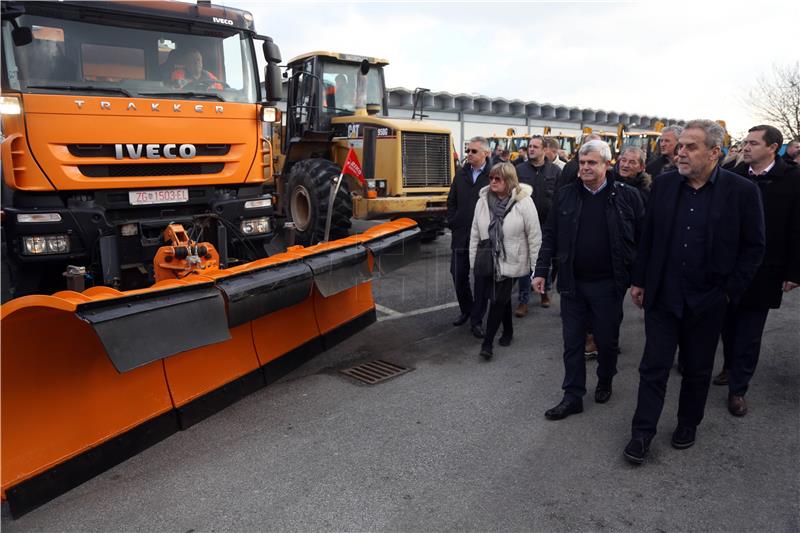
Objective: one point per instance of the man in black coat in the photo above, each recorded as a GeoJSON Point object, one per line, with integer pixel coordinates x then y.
{"type": "Point", "coordinates": [592, 230]}
{"type": "Point", "coordinates": [542, 176]}
{"type": "Point", "coordinates": [461, 200]}
{"type": "Point", "coordinates": [662, 161]}
{"type": "Point", "coordinates": [630, 169]}
{"type": "Point", "coordinates": [570, 171]}
{"type": "Point", "coordinates": [792, 150]}
{"type": "Point", "coordinates": [779, 183]}
{"type": "Point", "coordinates": [702, 242]}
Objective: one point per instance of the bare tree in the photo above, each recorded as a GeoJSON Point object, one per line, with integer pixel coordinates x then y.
{"type": "Point", "coordinates": [776, 99]}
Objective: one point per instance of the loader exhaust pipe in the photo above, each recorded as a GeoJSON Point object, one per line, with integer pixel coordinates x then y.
{"type": "Point", "coordinates": [361, 89]}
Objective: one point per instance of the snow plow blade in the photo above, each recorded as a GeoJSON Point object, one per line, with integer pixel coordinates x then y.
{"type": "Point", "coordinates": [141, 328]}
{"type": "Point", "coordinates": [90, 379]}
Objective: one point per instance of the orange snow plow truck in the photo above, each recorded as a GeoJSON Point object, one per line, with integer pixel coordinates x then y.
{"type": "Point", "coordinates": [148, 274]}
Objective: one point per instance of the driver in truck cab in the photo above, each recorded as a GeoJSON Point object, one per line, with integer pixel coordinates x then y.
{"type": "Point", "coordinates": [188, 70]}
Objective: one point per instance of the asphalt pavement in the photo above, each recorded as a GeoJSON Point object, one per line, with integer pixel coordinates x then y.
{"type": "Point", "coordinates": [458, 443]}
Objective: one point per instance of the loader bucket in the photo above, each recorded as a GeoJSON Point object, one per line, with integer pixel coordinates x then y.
{"type": "Point", "coordinates": [91, 378]}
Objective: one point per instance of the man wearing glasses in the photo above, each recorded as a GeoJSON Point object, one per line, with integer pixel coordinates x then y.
{"type": "Point", "coordinates": [461, 200]}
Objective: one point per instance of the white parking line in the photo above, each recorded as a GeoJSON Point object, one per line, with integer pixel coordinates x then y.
{"type": "Point", "coordinates": [393, 315]}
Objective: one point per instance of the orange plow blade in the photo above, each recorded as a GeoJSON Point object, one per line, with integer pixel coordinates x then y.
{"type": "Point", "coordinates": [90, 379]}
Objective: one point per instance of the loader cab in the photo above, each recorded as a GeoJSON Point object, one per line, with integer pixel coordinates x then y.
{"type": "Point", "coordinates": [324, 85]}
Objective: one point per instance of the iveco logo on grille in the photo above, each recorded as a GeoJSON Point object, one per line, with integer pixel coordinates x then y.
{"type": "Point", "coordinates": [155, 151]}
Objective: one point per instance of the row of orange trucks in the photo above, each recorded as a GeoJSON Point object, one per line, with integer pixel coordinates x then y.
{"type": "Point", "coordinates": [175, 228]}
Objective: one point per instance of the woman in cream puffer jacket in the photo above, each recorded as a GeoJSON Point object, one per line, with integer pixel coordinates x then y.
{"type": "Point", "coordinates": [517, 244]}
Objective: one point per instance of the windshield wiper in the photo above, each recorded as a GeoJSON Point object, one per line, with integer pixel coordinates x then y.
{"type": "Point", "coordinates": [190, 94]}
{"type": "Point", "coordinates": [82, 88]}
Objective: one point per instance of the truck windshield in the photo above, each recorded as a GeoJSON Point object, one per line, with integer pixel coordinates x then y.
{"type": "Point", "coordinates": [74, 57]}
{"type": "Point", "coordinates": [339, 87]}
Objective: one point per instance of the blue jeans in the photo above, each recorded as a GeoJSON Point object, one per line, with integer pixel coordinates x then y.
{"type": "Point", "coordinates": [525, 286]}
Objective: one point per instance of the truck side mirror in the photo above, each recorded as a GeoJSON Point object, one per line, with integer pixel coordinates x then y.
{"type": "Point", "coordinates": [364, 67]}
{"type": "Point", "coordinates": [271, 51]}
{"type": "Point", "coordinates": [21, 35]}
{"type": "Point", "coordinates": [273, 82]}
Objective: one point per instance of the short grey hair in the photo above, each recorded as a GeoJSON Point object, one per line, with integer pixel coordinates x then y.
{"type": "Point", "coordinates": [715, 134]}
{"type": "Point", "coordinates": [639, 153]}
{"type": "Point", "coordinates": [598, 146]}
{"type": "Point", "coordinates": [483, 142]}
{"type": "Point", "coordinates": [590, 137]}
{"type": "Point", "coordinates": [676, 130]}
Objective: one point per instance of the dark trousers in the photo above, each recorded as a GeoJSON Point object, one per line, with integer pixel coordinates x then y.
{"type": "Point", "coordinates": [592, 305]}
{"type": "Point", "coordinates": [741, 344]}
{"type": "Point", "coordinates": [697, 336]}
{"type": "Point", "coordinates": [459, 268]}
{"type": "Point", "coordinates": [499, 309]}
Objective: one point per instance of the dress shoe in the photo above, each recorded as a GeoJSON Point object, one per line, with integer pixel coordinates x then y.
{"type": "Point", "coordinates": [505, 340]}
{"type": "Point", "coordinates": [522, 310]}
{"type": "Point", "coordinates": [590, 348]}
{"type": "Point", "coordinates": [736, 405]}
{"type": "Point", "coordinates": [603, 392]}
{"type": "Point", "coordinates": [462, 319]}
{"type": "Point", "coordinates": [683, 437]}
{"type": "Point", "coordinates": [722, 378]}
{"type": "Point", "coordinates": [564, 409]}
{"type": "Point", "coordinates": [477, 331]}
{"type": "Point", "coordinates": [545, 301]}
{"type": "Point", "coordinates": [486, 352]}
{"type": "Point", "coordinates": [636, 450]}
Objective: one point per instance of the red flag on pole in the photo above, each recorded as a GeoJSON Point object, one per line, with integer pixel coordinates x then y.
{"type": "Point", "coordinates": [353, 167]}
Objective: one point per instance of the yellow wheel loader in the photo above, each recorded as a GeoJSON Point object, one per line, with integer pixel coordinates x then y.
{"type": "Point", "coordinates": [145, 284]}
{"type": "Point", "coordinates": [336, 102]}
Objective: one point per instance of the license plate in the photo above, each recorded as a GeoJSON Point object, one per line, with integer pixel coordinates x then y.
{"type": "Point", "coordinates": [160, 196]}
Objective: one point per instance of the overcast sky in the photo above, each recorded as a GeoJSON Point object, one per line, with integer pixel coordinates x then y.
{"type": "Point", "coordinates": [679, 59]}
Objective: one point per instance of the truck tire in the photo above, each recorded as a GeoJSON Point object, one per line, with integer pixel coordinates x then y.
{"type": "Point", "coordinates": [309, 189]}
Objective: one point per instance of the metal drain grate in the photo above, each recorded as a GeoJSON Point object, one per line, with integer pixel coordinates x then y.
{"type": "Point", "coordinates": [374, 371]}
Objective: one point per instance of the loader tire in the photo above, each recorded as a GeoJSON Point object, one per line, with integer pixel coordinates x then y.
{"type": "Point", "coordinates": [309, 190]}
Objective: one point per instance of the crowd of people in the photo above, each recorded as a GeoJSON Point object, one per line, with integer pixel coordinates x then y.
{"type": "Point", "coordinates": [706, 242]}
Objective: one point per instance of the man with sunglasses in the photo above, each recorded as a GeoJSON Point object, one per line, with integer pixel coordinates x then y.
{"type": "Point", "coordinates": [461, 200]}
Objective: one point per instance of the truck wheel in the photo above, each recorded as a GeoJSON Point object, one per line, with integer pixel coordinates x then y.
{"type": "Point", "coordinates": [309, 188]}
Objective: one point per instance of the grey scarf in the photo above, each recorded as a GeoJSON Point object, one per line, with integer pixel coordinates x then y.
{"type": "Point", "coordinates": [498, 209]}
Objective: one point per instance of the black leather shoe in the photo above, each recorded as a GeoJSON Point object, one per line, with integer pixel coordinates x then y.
{"type": "Point", "coordinates": [636, 450]}
{"type": "Point", "coordinates": [603, 392]}
{"type": "Point", "coordinates": [505, 340]}
{"type": "Point", "coordinates": [564, 409]}
{"type": "Point", "coordinates": [462, 319]}
{"type": "Point", "coordinates": [683, 437]}
{"type": "Point", "coordinates": [486, 352]}
{"type": "Point", "coordinates": [477, 331]}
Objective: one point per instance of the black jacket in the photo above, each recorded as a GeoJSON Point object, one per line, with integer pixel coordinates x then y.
{"type": "Point", "coordinates": [735, 243]}
{"type": "Point", "coordinates": [543, 180]}
{"type": "Point", "coordinates": [461, 202]}
{"type": "Point", "coordinates": [641, 182]}
{"type": "Point", "coordinates": [624, 214]}
{"type": "Point", "coordinates": [780, 194]}
{"type": "Point", "coordinates": [569, 173]}
{"type": "Point", "coordinates": [656, 165]}
{"type": "Point", "coordinates": [788, 160]}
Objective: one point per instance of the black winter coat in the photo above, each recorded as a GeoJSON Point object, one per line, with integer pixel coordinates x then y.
{"type": "Point", "coordinates": [461, 202]}
{"type": "Point", "coordinates": [734, 244]}
{"type": "Point", "coordinates": [569, 173]}
{"type": "Point", "coordinates": [543, 180]}
{"type": "Point", "coordinates": [780, 194]}
{"type": "Point", "coordinates": [641, 182]}
{"type": "Point", "coordinates": [656, 165]}
{"type": "Point", "coordinates": [624, 214]}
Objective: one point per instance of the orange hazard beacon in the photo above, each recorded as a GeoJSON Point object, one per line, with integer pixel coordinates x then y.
{"type": "Point", "coordinates": [149, 272]}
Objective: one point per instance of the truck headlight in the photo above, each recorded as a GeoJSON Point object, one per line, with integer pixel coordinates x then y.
{"type": "Point", "coordinates": [263, 202]}
{"type": "Point", "coordinates": [23, 218]}
{"type": "Point", "coordinates": [255, 226]}
{"type": "Point", "coordinates": [45, 244]}
{"type": "Point", "coordinates": [9, 105]}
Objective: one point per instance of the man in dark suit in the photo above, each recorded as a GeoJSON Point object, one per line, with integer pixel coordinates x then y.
{"type": "Point", "coordinates": [662, 162]}
{"type": "Point", "coordinates": [461, 200]}
{"type": "Point", "coordinates": [702, 242]}
{"type": "Point", "coordinates": [779, 183]}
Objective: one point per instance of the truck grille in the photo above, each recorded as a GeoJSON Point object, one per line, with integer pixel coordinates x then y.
{"type": "Point", "coordinates": [153, 169]}
{"type": "Point", "coordinates": [426, 159]}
